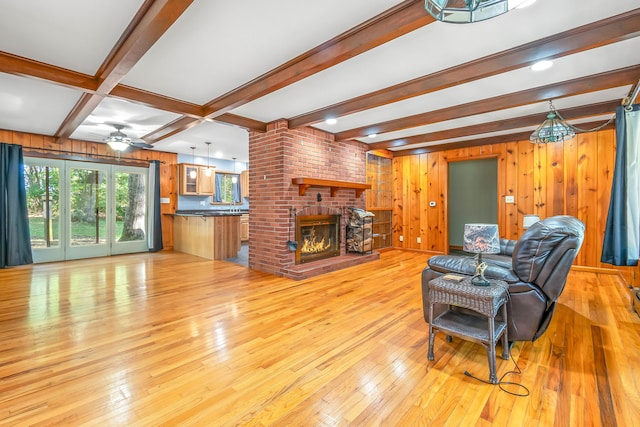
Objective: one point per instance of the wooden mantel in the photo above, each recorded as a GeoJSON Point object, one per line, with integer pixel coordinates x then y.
{"type": "Point", "coordinates": [304, 183]}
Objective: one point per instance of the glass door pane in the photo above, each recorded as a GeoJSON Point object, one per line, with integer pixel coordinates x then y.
{"type": "Point", "coordinates": [88, 225]}
{"type": "Point", "coordinates": [130, 210]}
{"type": "Point", "coordinates": [42, 183]}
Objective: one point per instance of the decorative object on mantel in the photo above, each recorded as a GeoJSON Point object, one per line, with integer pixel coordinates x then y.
{"type": "Point", "coordinates": [292, 244]}
{"type": "Point", "coordinates": [360, 231]}
{"type": "Point", "coordinates": [556, 129]}
{"type": "Point", "coordinates": [481, 239]}
{"type": "Point", "coordinates": [469, 11]}
{"type": "Point", "coordinates": [304, 183]}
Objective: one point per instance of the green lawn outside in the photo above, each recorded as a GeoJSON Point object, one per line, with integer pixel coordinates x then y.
{"type": "Point", "coordinates": [81, 231]}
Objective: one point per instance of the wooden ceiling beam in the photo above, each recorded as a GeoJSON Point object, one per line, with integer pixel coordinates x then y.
{"type": "Point", "coordinates": [600, 33]}
{"type": "Point", "coordinates": [149, 24]}
{"type": "Point", "coordinates": [498, 139]}
{"type": "Point", "coordinates": [143, 32]}
{"type": "Point", "coordinates": [593, 83]}
{"type": "Point", "coordinates": [600, 108]}
{"type": "Point", "coordinates": [17, 65]}
{"type": "Point", "coordinates": [393, 23]}
{"type": "Point", "coordinates": [159, 102]}
{"type": "Point", "coordinates": [178, 125]}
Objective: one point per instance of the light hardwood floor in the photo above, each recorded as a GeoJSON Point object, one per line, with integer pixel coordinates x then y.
{"type": "Point", "coordinates": [172, 339]}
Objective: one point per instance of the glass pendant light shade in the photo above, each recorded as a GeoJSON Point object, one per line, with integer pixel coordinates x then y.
{"type": "Point", "coordinates": [553, 129]}
{"type": "Point", "coordinates": [118, 140]}
{"type": "Point", "coordinates": [118, 145]}
{"type": "Point", "coordinates": [193, 173]}
{"type": "Point", "coordinates": [468, 11]}
{"type": "Point", "coordinates": [234, 178]}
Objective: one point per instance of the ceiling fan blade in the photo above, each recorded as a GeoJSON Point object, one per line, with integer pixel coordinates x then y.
{"type": "Point", "coordinates": [141, 145]}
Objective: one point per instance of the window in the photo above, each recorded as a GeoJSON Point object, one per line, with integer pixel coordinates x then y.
{"type": "Point", "coordinates": [227, 191]}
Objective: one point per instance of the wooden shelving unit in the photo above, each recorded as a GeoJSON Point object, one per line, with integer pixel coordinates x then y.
{"type": "Point", "coordinates": [304, 183]}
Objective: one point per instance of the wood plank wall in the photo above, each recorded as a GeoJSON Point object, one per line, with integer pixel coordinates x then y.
{"type": "Point", "coordinates": [86, 149]}
{"type": "Point", "coordinates": [570, 178]}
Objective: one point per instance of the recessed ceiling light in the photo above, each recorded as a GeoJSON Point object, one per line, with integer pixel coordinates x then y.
{"type": "Point", "coordinates": [542, 65]}
{"type": "Point", "coordinates": [331, 121]}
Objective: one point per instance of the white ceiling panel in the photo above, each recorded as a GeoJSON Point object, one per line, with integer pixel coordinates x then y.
{"type": "Point", "coordinates": [138, 120]}
{"type": "Point", "coordinates": [218, 45]}
{"type": "Point", "coordinates": [34, 106]}
{"type": "Point", "coordinates": [420, 53]}
{"type": "Point", "coordinates": [618, 55]}
{"type": "Point", "coordinates": [72, 34]}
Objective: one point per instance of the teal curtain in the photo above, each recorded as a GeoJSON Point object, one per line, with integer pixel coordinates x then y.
{"type": "Point", "coordinates": [15, 239]}
{"type": "Point", "coordinates": [155, 234]}
{"type": "Point", "coordinates": [235, 190]}
{"type": "Point", "coordinates": [217, 197]}
{"type": "Point", "coordinates": [621, 244]}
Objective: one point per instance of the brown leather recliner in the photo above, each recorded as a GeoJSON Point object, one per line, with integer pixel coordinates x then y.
{"type": "Point", "coordinates": [535, 267]}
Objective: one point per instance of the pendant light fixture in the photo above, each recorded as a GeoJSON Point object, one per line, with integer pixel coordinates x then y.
{"type": "Point", "coordinates": [209, 170]}
{"type": "Point", "coordinates": [469, 11]}
{"type": "Point", "coordinates": [556, 129]}
{"type": "Point", "coordinates": [193, 173]}
{"type": "Point", "coordinates": [234, 178]}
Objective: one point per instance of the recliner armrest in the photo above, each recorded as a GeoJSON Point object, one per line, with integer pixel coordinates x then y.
{"type": "Point", "coordinates": [467, 265]}
{"type": "Point", "coordinates": [507, 246]}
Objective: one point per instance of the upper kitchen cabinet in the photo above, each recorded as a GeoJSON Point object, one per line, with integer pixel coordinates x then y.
{"type": "Point", "coordinates": [244, 183]}
{"type": "Point", "coordinates": [195, 182]}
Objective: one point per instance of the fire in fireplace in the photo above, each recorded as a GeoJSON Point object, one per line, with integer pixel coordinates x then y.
{"type": "Point", "coordinates": [318, 237]}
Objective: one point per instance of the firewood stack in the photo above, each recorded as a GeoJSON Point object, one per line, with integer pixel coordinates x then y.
{"type": "Point", "coordinates": [360, 231]}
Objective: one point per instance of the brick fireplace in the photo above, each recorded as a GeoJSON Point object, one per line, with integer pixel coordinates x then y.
{"type": "Point", "coordinates": [318, 237]}
{"type": "Point", "coordinates": [278, 156]}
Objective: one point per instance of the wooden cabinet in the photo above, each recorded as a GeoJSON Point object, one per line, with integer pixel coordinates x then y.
{"type": "Point", "coordinates": [244, 184]}
{"type": "Point", "coordinates": [244, 228]}
{"type": "Point", "coordinates": [211, 237]}
{"type": "Point", "coordinates": [382, 229]}
{"type": "Point", "coordinates": [195, 182]}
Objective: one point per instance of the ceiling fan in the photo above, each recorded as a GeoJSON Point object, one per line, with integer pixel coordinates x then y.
{"type": "Point", "coordinates": [119, 140]}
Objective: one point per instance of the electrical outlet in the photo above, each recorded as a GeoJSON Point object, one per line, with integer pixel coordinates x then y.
{"type": "Point", "coordinates": [401, 238]}
{"type": "Point", "coordinates": [202, 203]}
{"type": "Point", "coordinates": [509, 199]}
{"type": "Point", "coordinates": [419, 240]}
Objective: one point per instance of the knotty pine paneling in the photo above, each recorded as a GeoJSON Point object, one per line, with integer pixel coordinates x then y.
{"type": "Point", "coordinates": [168, 169]}
{"type": "Point", "coordinates": [570, 178]}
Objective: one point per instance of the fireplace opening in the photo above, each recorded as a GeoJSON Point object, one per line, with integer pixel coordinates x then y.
{"type": "Point", "coordinates": [318, 237]}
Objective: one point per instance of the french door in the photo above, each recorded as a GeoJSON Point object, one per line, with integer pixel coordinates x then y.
{"type": "Point", "coordinates": [82, 210]}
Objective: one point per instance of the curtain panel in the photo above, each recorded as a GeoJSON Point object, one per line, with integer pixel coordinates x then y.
{"type": "Point", "coordinates": [621, 244]}
{"type": "Point", "coordinates": [155, 216]}
{"type": "Point", "coordinates": [15, 240]}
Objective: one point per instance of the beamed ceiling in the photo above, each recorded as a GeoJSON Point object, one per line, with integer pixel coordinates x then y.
{"type": "Point", "coordinates": [178, 73]}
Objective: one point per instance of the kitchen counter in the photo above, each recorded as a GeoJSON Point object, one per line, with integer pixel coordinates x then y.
{"type": "Point", "coordinates": [211, 212]}
{"type": "Point", "coordinates": [208, 234]}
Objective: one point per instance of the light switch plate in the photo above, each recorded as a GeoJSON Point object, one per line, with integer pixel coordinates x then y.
{"type": "Point", "coordinates": [509, 199]}
{"type": "Point", "coordinates": [164, 200]}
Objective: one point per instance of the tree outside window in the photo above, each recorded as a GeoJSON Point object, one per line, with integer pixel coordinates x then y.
{"type": "Point", "coordinates": [227, 191]}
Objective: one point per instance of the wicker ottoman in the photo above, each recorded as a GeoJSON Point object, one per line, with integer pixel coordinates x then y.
{"type": "Point", "coordinates": [486, 301]}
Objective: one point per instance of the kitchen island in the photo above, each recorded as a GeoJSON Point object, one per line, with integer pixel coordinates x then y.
{"type": "Point", "coordinates": [209, 234]}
